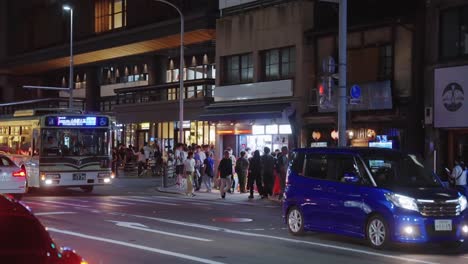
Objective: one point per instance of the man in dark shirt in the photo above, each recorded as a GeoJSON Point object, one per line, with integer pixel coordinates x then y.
{"type": "Point", "coordinates": [268, 163]}
{"type": "Point", "coordinates": [225, 173]}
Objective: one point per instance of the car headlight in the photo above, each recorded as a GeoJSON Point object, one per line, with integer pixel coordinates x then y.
{"type": "Point", "coordinates": [402, 201]}
{"type": "Point", "coordinates": [462, 202]}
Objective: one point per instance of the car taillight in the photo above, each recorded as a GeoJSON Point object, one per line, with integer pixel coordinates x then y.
{"type": "Point", "coordinates": [20, 173]}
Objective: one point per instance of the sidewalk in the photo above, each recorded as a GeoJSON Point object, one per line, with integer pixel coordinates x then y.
{"type": "Point", "coordinates": [215, 194]}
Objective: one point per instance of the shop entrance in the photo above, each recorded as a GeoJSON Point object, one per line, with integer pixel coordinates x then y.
{"type": "Point", "coordinates": [457, 146]}
{"type": "Point", "coordinates": [142, 137]}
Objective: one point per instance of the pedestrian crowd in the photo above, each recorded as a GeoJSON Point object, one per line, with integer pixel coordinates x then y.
{"type": "Point", "coordinates": [195, 167]}
{"type": "Point", "coordinates": [147, 159]}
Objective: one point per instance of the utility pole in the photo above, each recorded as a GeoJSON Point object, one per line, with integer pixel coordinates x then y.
{"type": "Point", "coordinates": [342, 98]}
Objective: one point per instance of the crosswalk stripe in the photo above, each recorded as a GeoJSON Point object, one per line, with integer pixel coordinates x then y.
{"type": "Point", "coordinates": [196, 200]}
{"type": "Point", "coordinates": [63, 203]}
{"type": "Point", "coordinates": [146, 201]}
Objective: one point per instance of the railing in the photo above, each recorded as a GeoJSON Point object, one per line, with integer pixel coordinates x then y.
{"type": "Point", "coordinates": [162, 95]}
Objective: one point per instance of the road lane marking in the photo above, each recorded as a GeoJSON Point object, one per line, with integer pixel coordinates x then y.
{"type": "Point", "coordinates": [208, 202]}
{"type": "Point", "coordinates": [322, 245]}
{"type": "Point", "coordinates": [62, 203]}
{"type": "Point", "coordinates": [53, 213]}
{"type": "Point", "coordinates": [116, 242]}
{"type": "Point", "coordinates": [109, 204]}
{"type": "Point", "coordinates": [146, 201]}
{"type": "Point", "coordinates": [125, 203]}
{"type": "Point", "coordinates": [142, 227]}
{"type": "Point", "coordinates": [41, 204]}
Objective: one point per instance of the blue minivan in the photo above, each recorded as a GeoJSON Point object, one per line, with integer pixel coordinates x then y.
{"type": "Point", "coordinates": [380, 195]}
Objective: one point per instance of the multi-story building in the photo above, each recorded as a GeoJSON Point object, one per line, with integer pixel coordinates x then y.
{"type": "Point", "coordinates": [383, 56]}
{"type": "Point", "coordinates": [126, 56]}
{"type": "Point", "coordinates": [446, 82]}
{"type": "Point", "coordinates": [277, 74]}
{"type": "Point", "coordinates": [262, 73]}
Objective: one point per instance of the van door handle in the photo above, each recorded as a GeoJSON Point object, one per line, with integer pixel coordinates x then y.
{"type": "Point", "coordinates": [331, 189]}
{"type": "Point", "coordinates": [317, 188]}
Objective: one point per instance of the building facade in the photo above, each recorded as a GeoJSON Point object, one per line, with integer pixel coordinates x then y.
{"type": "Point", "coordinates": [446, 83]}
{"type": "Point", "coordinates": [260, 53]}
{"type": "Point", "coordinates": [126, 58]}
{"type": "Point", "coordinates": [384, 104]}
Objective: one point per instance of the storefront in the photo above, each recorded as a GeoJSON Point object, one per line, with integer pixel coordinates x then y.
{"type": "Point", "coordinates": [358, 137]}
{"type": "Point", "coordinates": [165, 133]}
{"type": "Point", "coordinates": [450, 115]}
{"type": "Point", "coordinates": [253, 135]}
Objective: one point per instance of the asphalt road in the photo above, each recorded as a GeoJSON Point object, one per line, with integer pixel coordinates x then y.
{"type": "Point", "coordinates": [131, 222]}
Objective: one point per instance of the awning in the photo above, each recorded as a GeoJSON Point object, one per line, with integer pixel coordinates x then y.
{"type": "Point", "coordinates": [238, 111]}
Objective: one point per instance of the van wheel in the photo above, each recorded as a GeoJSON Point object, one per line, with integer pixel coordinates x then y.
{"type": "Point", "coordinates": [377, 232]}
{"type": "Point", "coordinates": [87, 189]}
{"type": "Point", "coordinates": [295, 220]}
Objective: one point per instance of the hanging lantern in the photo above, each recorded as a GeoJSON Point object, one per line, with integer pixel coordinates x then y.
{"type": "Point", "coordinates": [316, 135]}
{"type": "Point", "coordinates": [334, 134]}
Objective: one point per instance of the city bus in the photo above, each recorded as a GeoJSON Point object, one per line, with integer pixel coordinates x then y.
{"type": "Point", "coordinates": [59, 149]}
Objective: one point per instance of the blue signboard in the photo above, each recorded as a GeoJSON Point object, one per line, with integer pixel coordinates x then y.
{"type": "Point", "coordinates": [77, 121]}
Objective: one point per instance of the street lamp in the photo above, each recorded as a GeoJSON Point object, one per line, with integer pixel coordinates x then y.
{"type": "Point", "coordinates": [70, 80]}
{"type": "Point", "coordinates": [181, 70]}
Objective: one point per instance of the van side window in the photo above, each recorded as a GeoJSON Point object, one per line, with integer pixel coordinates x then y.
{"type": "Point", "coordinates": [297, 163]}
{"type": "Point", "coordinates": [339, 165]}
{"type": "Point", "coordinates": [316, 166]}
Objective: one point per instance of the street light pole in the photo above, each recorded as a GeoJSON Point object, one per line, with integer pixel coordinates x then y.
{"type": "Point", "coordinates": [342, 104]}
{"type": "Point", "coordinates": [70, 78]}
{"type": "Point", "coordinates": [181, 71]}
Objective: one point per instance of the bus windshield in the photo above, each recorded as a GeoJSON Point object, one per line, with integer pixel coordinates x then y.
{"type": "Point", "coordinates": [75, 142]}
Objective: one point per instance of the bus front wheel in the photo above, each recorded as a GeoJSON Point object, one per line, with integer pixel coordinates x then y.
{"type": "Point", "coordinates": [87, 189]}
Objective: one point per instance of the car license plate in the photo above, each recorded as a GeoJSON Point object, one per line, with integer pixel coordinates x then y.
{"type": "Point", "coordinates": [443, 225]}
{"type": "Point", "coordinates": [79, 176]}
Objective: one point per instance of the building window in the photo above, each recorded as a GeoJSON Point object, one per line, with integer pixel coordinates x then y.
{"type": "Point", "coordinates": [385, 62]}
{"type": "Point", "coordinates": [192, 73]}
{"type": "Point", "coordinates": [279, 63]}
{"type": "Point", "coordinates": [109, 14]}
{"type": "Point", "coordinates": [238, 69]}
{"type": "Point", "coordinates": [454, 32]}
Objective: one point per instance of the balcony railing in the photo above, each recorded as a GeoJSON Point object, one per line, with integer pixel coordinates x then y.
{"type": "Point", "coordinates": [165, 92]}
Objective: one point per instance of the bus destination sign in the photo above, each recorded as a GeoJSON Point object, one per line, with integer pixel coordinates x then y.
{"type": "Point", "coordinates": [77, 121]}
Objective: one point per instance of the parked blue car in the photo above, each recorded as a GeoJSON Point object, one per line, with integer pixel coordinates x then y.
{"type": "Point", "coordinates": [380, 195]}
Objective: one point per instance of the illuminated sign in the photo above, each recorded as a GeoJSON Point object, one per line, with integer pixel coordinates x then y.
{"type": "Point", "coordinates": [76, 121]}
{"type": "Point", "coordinates": [258, 130]}
{"type": "Point", "coordinates": [388, 144]}
{"type": "Point", "coordinates": [271, 129]}
{"type": "Point", "coordinates": [319, 144]}
{"type": "Point", "coordinates": [285, 129]}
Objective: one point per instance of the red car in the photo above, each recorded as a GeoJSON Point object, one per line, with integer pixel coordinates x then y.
{"type": "Point", "coordinates": [23, 239]}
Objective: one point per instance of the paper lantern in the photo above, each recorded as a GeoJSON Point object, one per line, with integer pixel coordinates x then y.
{"type": "Point", "coordinates": [334, 134]}
{"type": "Point", "coordinates": [316, 135]}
